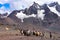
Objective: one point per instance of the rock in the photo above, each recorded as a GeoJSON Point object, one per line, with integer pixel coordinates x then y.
{"type": "Point", "coordinates": [47, 35]}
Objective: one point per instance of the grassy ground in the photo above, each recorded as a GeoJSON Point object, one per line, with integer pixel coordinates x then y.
{"type": "Point", "coordinates": [9, 33]}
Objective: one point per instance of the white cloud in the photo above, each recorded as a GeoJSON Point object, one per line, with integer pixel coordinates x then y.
{"type": "Point", "coordinates": [22, 4]}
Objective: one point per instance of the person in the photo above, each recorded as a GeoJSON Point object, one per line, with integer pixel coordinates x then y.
{"type": "Point", "coordinates": [50, 35]}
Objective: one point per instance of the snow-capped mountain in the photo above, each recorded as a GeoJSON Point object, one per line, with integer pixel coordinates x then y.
{"type": "Point", "coordinates": [33, 16]}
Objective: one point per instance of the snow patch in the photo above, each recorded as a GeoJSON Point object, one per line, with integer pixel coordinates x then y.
{"type": "Point", "coordinates": [40, 14]}
{"type": "Point", "coordinates": [53, 9]}
{"type": "Point", "coordinates": [21, 16]}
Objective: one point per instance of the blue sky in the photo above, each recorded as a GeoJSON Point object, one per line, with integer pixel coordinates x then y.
{"type": "Point", "coordinates": [20, 4]}
{"type": "Point", "coordinates": [6, 5]}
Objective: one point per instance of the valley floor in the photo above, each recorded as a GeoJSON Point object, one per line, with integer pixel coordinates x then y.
{"type": "Point", "coordinates": [13, 34]}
